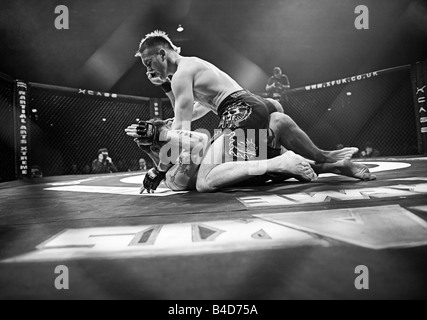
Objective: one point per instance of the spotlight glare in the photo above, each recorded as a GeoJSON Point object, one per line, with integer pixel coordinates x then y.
{"type": "Point", "coordinates": [103, 119]}
{"type": "Point", "coordinates": [180, 28]}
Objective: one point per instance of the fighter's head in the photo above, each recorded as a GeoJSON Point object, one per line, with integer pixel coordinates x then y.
{"type": "Point", "coordinates": [153, 50]}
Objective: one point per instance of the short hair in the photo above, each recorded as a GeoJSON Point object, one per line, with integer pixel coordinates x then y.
{"type": "Point", "coordinates": [277, 69]}
{"type": "Point", "coordinates": [154, 39]}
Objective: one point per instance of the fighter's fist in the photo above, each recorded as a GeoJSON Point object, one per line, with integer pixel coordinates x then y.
{"type": "Point", "coordinates": [131, 131]}
{"type": "Point", "coordinates": [155, 79]}
{"type": "Point", "coordinates": [152, 180]}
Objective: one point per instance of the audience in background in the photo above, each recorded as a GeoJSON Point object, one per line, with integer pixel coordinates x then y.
{"type": "Point", "coordinates": [277, 84]}
{"type": "Point", "coordinates": [103, 164]}
{"type": "Point", "coordinates": [369, 151]}
{"type": "Point", "coordinates": [36, 172]}
{"type": "Point", "coordinates": [142, 165]}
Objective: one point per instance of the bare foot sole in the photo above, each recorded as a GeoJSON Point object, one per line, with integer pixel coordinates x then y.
{"type": "Point", "coordinates": [354, 170]}
{"type": "Point", "coordinates": [343, 154]}
{"type": "Point", "coordinates": [294, 165]}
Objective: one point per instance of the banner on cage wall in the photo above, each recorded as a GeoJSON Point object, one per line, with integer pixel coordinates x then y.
{"type": "Point", "coordinates": [22, 128]}
{"type": "Point", "coordinates": [419, 83]}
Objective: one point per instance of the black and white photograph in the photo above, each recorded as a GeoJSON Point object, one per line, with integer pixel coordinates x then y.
{"type": "Point", "coordinates": [215, 155]}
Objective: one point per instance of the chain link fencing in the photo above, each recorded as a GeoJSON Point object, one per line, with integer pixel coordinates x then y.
{"type": "Point", "coordinates": [68, 126]}
{"type": "Point", "coordinates": [376, 110]}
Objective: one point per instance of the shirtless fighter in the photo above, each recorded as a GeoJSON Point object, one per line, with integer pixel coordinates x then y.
{"type": "Point", "coordinates": [153, 135]}
{"type": "Point", "coordinates": [196, 80]}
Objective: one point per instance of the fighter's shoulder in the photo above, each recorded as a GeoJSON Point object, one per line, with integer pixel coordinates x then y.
{"type": "Point", "coordinates": [191, 64]}
{"type": "Point", "coordinates": [187, 69]}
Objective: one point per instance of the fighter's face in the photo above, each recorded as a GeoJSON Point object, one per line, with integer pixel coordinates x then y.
{"type": "Point", "coordinates": [155, 63]}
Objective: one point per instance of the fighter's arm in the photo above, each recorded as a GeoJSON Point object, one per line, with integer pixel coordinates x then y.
{"type": "Point", "coordinates": [182, 88]}
{"type": "Point", "coordinates": [199, 111]}
{"type": "Point", "coordinates": [187, 140]}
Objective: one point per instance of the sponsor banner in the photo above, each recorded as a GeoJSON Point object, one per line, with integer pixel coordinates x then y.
{"type": "Point", "coordinates": [347, 80]}
{"type": "Point", "coordinates": [362, 194]}
{"type": "Point", "coordinates": [419, 85]}
{"type": "Point", "coordinates": [177, 239]}
{"type": "Point", "coordinates": [87, 92]}
{"type": "Point", "coordinates": [369, 227]}
{"type": "Point", "coordinates": [22, 129]}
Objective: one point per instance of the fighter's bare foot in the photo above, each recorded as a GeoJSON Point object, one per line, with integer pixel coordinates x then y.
{"type": "Point", "coordinates": [293, 164]}
{"type": "Point", "coordinates": [354, 170]}
{"type": "Point", "coordinates": [342, 154]}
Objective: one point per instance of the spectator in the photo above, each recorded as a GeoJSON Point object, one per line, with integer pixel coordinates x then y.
{"type": "Point", "coordinates": [103, 164]}
{"type": "Point", "coordinates": [142, 165]}
{"type": "Point", "coordinates": [369, 151]}
{"type": "Point", "coordinates": [277, 84]}
{"type": "Point", "coordinates": [36, 172]}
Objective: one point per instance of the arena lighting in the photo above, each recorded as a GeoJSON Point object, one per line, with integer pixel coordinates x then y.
{"type": "Point", "coordinates": [180, 28]}
{"type": "Point", "coordinates": [349, 94]}
{"type": "Point", "coordinates": [103, 119]}
{"type": "Point", "coordinates": [137, 119]}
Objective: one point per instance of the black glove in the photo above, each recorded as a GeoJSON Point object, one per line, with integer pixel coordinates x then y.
{"type": "Point", "coordinates": [148, 133]}
{"type": "Point", "coordinates": [152, 180]}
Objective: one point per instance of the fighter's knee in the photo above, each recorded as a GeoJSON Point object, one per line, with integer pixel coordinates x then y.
{"type": "Point", "coordinates": [177, 182]}
{"type": "Point", "coordinates": [204, 186]}
{"type": "Point", "coordinates": [204, 182]}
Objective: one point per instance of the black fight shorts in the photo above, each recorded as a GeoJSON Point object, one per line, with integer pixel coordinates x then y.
{"type": "Point", "coordinates": [245, 125]}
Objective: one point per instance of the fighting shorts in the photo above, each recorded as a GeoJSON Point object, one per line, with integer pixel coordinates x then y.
{"type": "Point", "coordinates": [245, 125]}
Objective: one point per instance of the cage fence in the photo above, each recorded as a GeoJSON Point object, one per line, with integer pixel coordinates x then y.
{"type": "Point", "coordinates": [67, 126]}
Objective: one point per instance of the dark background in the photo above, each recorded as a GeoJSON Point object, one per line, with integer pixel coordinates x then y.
{"type": "Point", "coordinates": [312, 40]}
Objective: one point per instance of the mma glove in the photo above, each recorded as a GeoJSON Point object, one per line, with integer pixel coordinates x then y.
{"type": "Point", "coordinates": [152, 180]}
